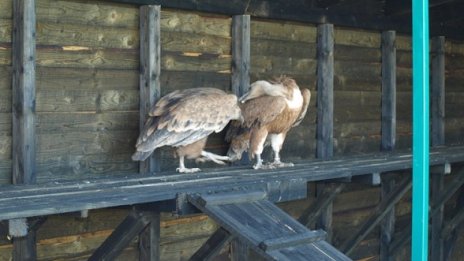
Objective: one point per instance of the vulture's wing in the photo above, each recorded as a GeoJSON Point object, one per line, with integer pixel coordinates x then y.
{"type": "Point", "coordinates": [306, 98]}
{"type": "Point", "coordinates": [183, 117]}
{"type": "Point", "coordinates": [263, 110]}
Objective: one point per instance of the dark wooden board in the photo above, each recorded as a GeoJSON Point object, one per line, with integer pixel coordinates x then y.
{"type": "Point", "coordinates": [25, 201]}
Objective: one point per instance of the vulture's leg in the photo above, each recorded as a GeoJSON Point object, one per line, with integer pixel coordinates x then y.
{"type": "Point", "coordinates": [259, 162]}
{"type": "Point", "coordinates": [213, 157]}
{"type": "Point", "coordinates": [258, 137]}
{"type": "Point", "coordinates": [277, 140]}
{"type": "Point", "coordinates": [183, 169]}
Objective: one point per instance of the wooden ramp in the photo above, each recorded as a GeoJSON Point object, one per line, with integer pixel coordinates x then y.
{"type": "Point", "coordinates": [251, 218]}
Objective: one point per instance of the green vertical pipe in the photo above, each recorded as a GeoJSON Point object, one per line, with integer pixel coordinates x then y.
{"type": "Point", "coordinates": [420, 189]}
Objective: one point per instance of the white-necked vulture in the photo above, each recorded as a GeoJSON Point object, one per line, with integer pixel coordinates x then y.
{"type": "Point", "coordinates": [270, 110]}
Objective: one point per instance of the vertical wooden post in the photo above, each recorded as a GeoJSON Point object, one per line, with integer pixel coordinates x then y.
{"type": "Point", "coordinates": [150, 68]}
{"type": "Point", "coordinates": [23, 108]}
{"type": "Point", "coordinates": [325, 75]}
{"type": "Point", "coordinates": [387, 227]}
{"type": "Point", "coordinates": [240, 85]}
{"type": "Point", "coordinates": [438, 138]}
{"type": "Point", "coordinates": [240, 54]}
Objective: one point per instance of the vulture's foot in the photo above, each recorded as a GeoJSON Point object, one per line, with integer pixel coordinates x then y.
{"type": "Point", "coordinates": [208, 156]}
{"type": "Point", "coordinates": [187, 170]}
{"type": "Point", "coordinates": [278, 164]}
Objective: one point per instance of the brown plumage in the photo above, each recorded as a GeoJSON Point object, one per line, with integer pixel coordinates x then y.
{"type": "Point", "coordinates": [184, 119]}
{"type": "Point", "coordinates": [270, 110]}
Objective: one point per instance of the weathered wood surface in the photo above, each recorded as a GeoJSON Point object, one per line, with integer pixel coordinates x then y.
{"type": "Point", "coordinates": [179, 236]}
{"type": "Point", "coordinates": [240, 54]}
{"type": "Point", "coordinates": [95, 193]}
{"type": "Point", "coordinates": [266, 228]}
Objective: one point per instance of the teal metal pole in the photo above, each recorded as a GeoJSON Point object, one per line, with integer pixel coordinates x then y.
{"type": "Point", "coordinates": [420, 172]}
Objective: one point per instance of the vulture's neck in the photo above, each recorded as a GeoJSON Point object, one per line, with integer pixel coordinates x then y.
{"type": "Point", "coordinates": [296, 100]}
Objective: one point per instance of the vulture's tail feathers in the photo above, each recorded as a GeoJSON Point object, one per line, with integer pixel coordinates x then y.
{"type": "Point", "coordinates": [141, 155]}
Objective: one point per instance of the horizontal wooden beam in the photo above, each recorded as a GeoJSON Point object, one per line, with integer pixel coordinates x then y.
{"type": "Point", "coordinates": [295, 11]}
{"type": "Point", "coordinates": [41, 199]}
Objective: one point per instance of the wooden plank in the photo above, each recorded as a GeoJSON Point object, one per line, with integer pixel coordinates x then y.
{"type": "Point", "coordinates": [379, 212]}
{"type": "Point", "coordinates": [325, 68]}
{"type": "Point", "coordinates": [357, 38]}
{"type": "Point", "coordinates": [7, 10]}
{"type": "Point", "coordinates": [150, 56]}
{"type": "Point", "coordinates": [50, 56]}
{"type": "Point", "coordinates": [130, 227]}
{"type": "Point", "coordinates": [24, 93]}
{"type": "Point", "coordinates": [212, 246]}
{"type": "Point", "coordinates": [292, 241]}
{"type": "Point", "coordinates": [6, 26]}
{"type": "Point", "coordinates": [282, 48]}
{"type": "Point", "coordinates": [5, 54]}
{"type": "Point", "coordinates": [73, 122]}
{"type": "Point", "coordinates": [357, 53]}
{"type": "Point", "coordinates": [240, 54]}
{"type": "Point", "coordinates": [195, 23]}
{"type": "Point", "coordinates": [283, 30]}
{"type": "Point", "coordinates": [387, 225]}
{"type": "Point", "coordinates": [90, 193]}
{"type": "Point", "coordinates": [325, 111]}
{"type": "Point", "coordinates": [92, 13]}
{"type": "Point", "coordinates": [438, 90]}
{"type": "Point", "coordinates": [437, 242]}
{"type": "Point", "coordinates": [196, 62]}
{"type": "Point", "coordinates": [195, 43]}
{"type": "Point", "coordinates": [85, 79]}
{"type": "Point", "coordinates": [90, 101]}
{"type": "Point", "coordinates": [388, 90]}
{"type": "Point", "coordinates": [229, 198]}
{"type": "Point", "coordinates": [5, 78]}
{"type": "Point", "coordinates": [72, 35]}
{"type": "Point", "coordinates": [283, 65]}
{"type": "Point", "coordinates": [23, 113]}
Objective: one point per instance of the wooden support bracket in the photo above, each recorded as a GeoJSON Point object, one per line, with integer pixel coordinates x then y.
{"type": "Point", "coordinates": [378, 213]}
{"type": "Point", "coordinates": [212, 246]}
{"type": "Point", "coordinates": [446, 194]}
{"type": "Point", "coordinates": [313, 212]}
{"type": "Point", "coordinates": [130, 227]}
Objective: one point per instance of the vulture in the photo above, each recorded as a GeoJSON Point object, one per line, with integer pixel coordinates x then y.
{"type": "Point", "coordinates": [269, 109]}
{"type": "Point", "coordinates": [183, 119]}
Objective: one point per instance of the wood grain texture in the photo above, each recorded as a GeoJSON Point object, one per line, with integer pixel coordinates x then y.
{"type": "Point", "coordinates": [7, 9]}
{"type": "Point", "coordinates": [6, 26]}
{"type": "Point", "coordinates": [88, 13]}
{"type": "Point", "coordinates": [283, 31]}
{"type": "Point", "coordinates": [149, 86]}
{"type": "Point", "coordinates": [240, 54]}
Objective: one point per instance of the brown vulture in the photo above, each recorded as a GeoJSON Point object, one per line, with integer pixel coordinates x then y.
{"type": "Point", "coordinates": [183, 119]}
{"type": "Point", "coordinates": [270, 109]}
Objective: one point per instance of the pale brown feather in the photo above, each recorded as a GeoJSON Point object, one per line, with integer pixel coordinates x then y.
{"type": "Point", "coordinates": [184, 117]}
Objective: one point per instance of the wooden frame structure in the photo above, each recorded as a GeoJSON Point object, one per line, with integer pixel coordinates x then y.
{"type": "Point", "coordinates": [148, 193]}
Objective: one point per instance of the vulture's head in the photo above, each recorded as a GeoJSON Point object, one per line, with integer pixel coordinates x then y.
{"type": "Point", "coordinates": [262, 88]}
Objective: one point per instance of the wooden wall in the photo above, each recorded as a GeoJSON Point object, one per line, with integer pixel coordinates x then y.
{"type": "Point", "coordinates": [5, 90]}
{"type": "Point", "coordinates": [87, 107]}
